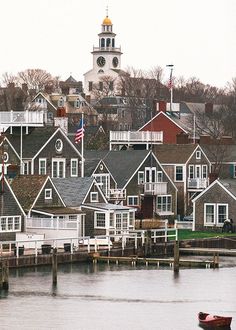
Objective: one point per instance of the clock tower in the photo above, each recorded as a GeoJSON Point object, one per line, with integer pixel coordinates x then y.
{"type": "Point", "coordinates": [106, 58]}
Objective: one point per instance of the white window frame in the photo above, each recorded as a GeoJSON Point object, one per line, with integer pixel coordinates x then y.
{"type": "Point", "coordinates": [96, 219]}
{"type": "Point", "coordinates": [164, 206]}
{"type": "Point", "coordinates": [58, 161]}
{"type": "Point", "coordinates": [182, 173]}
{"type": "Point", "coordinates": [216, 214]}
{"type": "Point", "coordinates": [131, 200]}
{"type": "Point", "coordinates": [140, 177]}
{"type": "Point", "coordinates": [26, 167]}
{"type": "Point", "coordinates": [74, 168]}
{"type": "Point", "coordinates": [42, 160]}
{"type": "Point", "coordinates": [198, 154]}
{"type": "Point", "coordinates": [93, 196]}
{"type": "Point", "coordinates": [191, 171]}
{"type": "Point", "coordinates": [48, 193]}
{"type": "Point", "coordinates": [150, 174]}
{"type": "Point", "coordinates": [204, 171]}
{"type": "Point", "coordinates": [16, 223]}
{"type": "Point", "coordinates": [105, 186]}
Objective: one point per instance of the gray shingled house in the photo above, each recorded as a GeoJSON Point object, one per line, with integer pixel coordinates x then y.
{"type": "Point", "coordinates": [102, 218]}
{"type": "Point", "coordinates": [214, 205]}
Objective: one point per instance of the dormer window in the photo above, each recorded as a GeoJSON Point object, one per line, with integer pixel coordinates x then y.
{"type": "Point", "coordinates": [61, 102]}
{"type": "Point", "coordinates": [48, 193]}
{"type": "Point", "coordinates": [77, 103]}
{"type": "Point", "coordinates": [93, 197]}
{"type": "Point", "coordinates": [198, 154]}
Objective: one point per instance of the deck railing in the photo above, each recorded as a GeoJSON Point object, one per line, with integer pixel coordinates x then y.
{"type": "Point", "coordinates": [197, 183]}
{"type": "Point", "coordinates": [139, 136]}
{"type": "Point", "coordinates": [155, 188]}
{"type": "Point", "coordinates": [48, 223]}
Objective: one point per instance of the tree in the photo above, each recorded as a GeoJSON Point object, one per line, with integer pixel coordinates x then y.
{"type": "Point", "coordinates": [8, 78]}
{"type": "Point", "coordinates": [37, 79]}
{"type": "Point", "coordinates": [105, 87]}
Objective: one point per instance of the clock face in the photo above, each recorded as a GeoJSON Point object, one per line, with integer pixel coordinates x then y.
{"type": "Point", "coordinates": [115, 61]}
{"type": "Point", "coordinates": [59, 145]}
{"type": "Point", "coordinates": [101, 61]}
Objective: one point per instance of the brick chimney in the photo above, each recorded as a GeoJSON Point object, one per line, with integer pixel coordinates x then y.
{"type": "Point", "coordinates": [209, 108]}
{"type": "Point", "coordinates": [205, 139]}
{"type": "Point", "coordinates": [161, 106]}
{"type": "Point", "coordinates": [182, 138]}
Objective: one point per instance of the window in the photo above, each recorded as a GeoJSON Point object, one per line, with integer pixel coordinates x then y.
{"type": "Point", "coordinates": [101, 86]}
{"type": "Point", "coordinates": [48, 193]}
{"type": "Point", "coordinates": [121, 221]}
{"type": "Point", "coordinates": [140, 177]}
{"type": "Point", "coordinates": [90, 86]}
{"type": "Point", "coordinates": [58, 145]}
{"type": "Point", "coordinates": [191, 172]}
{"type": "Point", "coordinates": [111, 220]}
{"type": "Point", "coordinates": [159, 176]}
{"type": "Point", "coordinates": [42, 166]}
{"type": "Point", "coordinates": [58, 168]}
{"type": "Point", "coordinates": [198, 154]}
{"type": "Point", "coordinates": [77, 103]}
{"type": "Point", "coordinates": [74, 167]}
{"type": "Point", "coordinates": [125, 221]}
{"type": "Point", "coordinates": [26, 167]}
{"type": "Point", "coordinates": [93, 197]}
{"type": "Point", "coordinates": [111, 86]}
{"type": "Point", "coordinates": [215, 214]}
{"type": "Point", "coordinates": [132, 200]}
{"type": "Point", "coordinates": [9, 224]}
{"type": "Point", "coordinates": [150, 174]}
{"type": "Point", "coordinates": [61, 102]}
{"type": "Point", "coordinates": [204, 171]}
{"type": "Point", "coordinates": [179, 173]}
{"type": "Point", "coordinates": [131, 219]}
{"type": "Point", "coordinates": [164, 203]}
{"type": "Point", "coordinates": [100, 221]}
{"type": "Point", "coordinates": [118, 221]}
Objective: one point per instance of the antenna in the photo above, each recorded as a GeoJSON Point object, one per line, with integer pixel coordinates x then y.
{"type": "Point", "coordinates": [107, 10]}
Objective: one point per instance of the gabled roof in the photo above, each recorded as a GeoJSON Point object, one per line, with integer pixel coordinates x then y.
{"type": "Point", "coordinates": [70, 80]}
{"type": "Point", "coordinates": [174, 153]}
{"type": "Point", "coordinates": [122, 164]}
{"type": "Point", "coordinates": [73, 190]}
{"type": "Point", "coordinates": [229, 185]}
{"type": "Point", "coordinates": [169, 117]}
{"type": "Point", "coordinates": [27, 188]}
{"type": "Point", "coordinates": [31, 142]}
{"type": "Point", "coordinates": [228, 152]}
{"type": "Point", "coordinates": [92, 158]}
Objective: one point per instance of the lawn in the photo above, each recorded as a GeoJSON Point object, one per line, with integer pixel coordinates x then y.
{"type": "Point", "coordinates": [189, 234]}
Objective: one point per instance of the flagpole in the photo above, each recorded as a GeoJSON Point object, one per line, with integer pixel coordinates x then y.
{"type": "Point", "coordinates": [82, 148]}
{"type": "Point", "coordinates": [171, 85]}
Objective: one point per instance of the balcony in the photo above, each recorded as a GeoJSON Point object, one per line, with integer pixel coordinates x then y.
{"type": "Point", "coordinates": [117, 194]}
{"type": "Point", "coordinates": [155, 188]}
{"type": "Point", "coordinates": [21, 118]}
{"type": "Point", "coordinates": [107, 49]}
{"type": "Point", "coordinates": [197, 183]}
{"type": "Point", "coordinates": [48, 223]}
{"type": "Point", "coordinates": [135, 137]}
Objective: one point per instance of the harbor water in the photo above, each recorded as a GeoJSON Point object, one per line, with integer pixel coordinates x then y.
{"type": "Point", "coordinates": [101, 296]}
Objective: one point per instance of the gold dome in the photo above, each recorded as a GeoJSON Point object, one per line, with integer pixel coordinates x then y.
{"type": "Point", "coordinates": [106, 21]}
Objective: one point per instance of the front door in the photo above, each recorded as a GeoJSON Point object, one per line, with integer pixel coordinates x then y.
{"type": "Point", "coordinates": [147, 207]}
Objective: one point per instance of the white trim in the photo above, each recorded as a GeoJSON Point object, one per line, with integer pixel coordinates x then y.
{"type": "Point", "coordinates": [198, 154]}
{"type": "Point", "coordinates": [93, 196]}
{"type": "Point", "coordinates": [46, 99]}
{"type": "Point", "coordinates": [58, 161]}
{"type": "Point", "coordinates": [133, 197]}
{"type": "Point", "coordinates": [39, 170]}
{"type": "Point", "coordinates": [76, 168]}
{"type": "Point", "coordinates": [13, 230]}
{"type": "Point", "coordinates": [46, 191]}
{"type": "Point", "coordinates": [215, 214]}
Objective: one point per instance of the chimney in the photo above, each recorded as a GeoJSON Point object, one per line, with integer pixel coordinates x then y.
{"type": "Point", "coordinates": [24, 88]}
{"type": "Point", "coordinates": [182, 138]}
{"type": "Point", "coordinates": [88, 98]}
{"type": "Point", "coordinates": [205, 139]}
{"type": "Point", "coordinates": [161, 106]}
{"type": "Point", "coordinates": [209, 108]}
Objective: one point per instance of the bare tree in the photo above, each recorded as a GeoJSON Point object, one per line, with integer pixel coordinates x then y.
{"type": "Point", "coordinates": [8, 78]}
{"type": "Point", "coordinates": [37, 79]}
{"type": "Point", "coordinates": [105, 87]}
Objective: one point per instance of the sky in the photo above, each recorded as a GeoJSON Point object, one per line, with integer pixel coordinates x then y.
{"type": "Point", "coordinates": [197, 37]}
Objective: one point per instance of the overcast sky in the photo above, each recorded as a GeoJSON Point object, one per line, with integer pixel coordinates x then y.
{"type": "Point", "coordinates": [198, 37]}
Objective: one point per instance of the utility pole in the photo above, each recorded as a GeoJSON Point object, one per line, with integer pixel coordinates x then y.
{"type": "Point", "coordinates": [170, 84]}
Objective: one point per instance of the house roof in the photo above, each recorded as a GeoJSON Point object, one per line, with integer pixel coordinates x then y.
{"type": "Point", "coordinates": [174, 153]}
{"type": "Point", "coordinates": [122, 164]}
{"type": "Point", "coordinates": [73, 190]}
{"type": "Point", "coordinates": [92, 158]}
{"type": "Point", "coordinates": [31, 142]}
{"type": "Point", "coordinates": [57, 210]}
{"type": "Point", "coordinates": [227, 152]}
{"type": "Point", "coordinates": [27, 188]}
{"type": "Point", "coordinates": [229, 184]}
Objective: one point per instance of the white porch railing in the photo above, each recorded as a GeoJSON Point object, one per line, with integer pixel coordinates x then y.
{"type": "Point", "coordinates": [184, 224]}
{"type": "Point", "coordinates": [117, 194]}
{"type": "Point", "coordinates": [21, 117]}
{"type": "Point", "coordinates": [155, 188]}
{"type": "Point", "coordinates": [197, 183]}
{"type": "Point", "coordinates": [131, 137]}
{"type": "Point", "coordinates": [48, 223]}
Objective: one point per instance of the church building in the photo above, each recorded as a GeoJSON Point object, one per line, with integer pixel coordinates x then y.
{"type": "Point", "coordinates": [106, 61]}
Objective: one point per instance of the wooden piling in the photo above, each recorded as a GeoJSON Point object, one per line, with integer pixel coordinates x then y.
{"type": "Point", "coordinates": [176, 257]}
{"type": "Point", "coordinates": [5, 274]}
{"type": "Point", "coordinates": [54, 266]}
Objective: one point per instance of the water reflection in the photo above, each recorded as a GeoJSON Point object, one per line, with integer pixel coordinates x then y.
{"type": "Point", "coordinates": [121, 296]}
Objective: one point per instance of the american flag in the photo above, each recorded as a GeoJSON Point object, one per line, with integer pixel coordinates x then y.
{"type": "Point", "coordinates": [80, 132]}
{"type": "Point", "coordinates": [170, 83]}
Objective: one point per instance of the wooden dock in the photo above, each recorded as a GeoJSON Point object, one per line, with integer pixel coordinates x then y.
{"type": "Point", "coordinates": [135, 260]}
{"type": "Point", "coordinates": [208, 251]}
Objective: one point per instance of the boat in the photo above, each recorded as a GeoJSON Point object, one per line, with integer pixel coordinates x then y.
{"type": "Point", "coordinates": [208, 320]}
